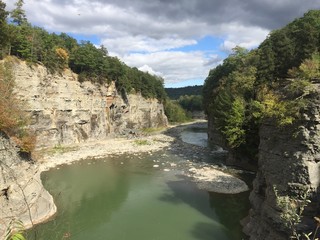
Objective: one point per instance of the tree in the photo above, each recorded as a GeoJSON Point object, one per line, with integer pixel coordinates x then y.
{"type": "Point", "coordinates": [22, 42]}
{"type": "Point", "coordinates": [63, 57]}
{"type": "Point", "coordinates": [18, 15]}
{"type": "Point", "coordinates": [83, 58]}
{"type": "Point", "coordinates": [3, 13]}
{"type": "Point", "coordinates": [3, 28]}
{"type": "Point", "coordinates": [234, 124]}
{"type": "Point", "coordinates": [283, 48]}
{"type": "Point", "coordinates": [266, 65]}
{"type": "Point", "coordinates": [69, 43]}
{"type": "Point", "coordinates": [174, 112]}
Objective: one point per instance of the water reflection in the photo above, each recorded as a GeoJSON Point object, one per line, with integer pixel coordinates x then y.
{"type": "Point", "coordinates": [82, 195]}
{"type": "Point", "coordinates": [126, 198]}
{"type": "Point", "coordinates": [230, 209]}
{"type": "Point", "coordinates": [226, 210]}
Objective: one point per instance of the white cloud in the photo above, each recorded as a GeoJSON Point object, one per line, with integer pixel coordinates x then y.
{"type": "Point", "coordinates": [247, 37]}
{"type": "Point", "coordinates": [148, 33]}
{"type": "Point", "coordinates": [129, 43]}
{"type": "Point", "coordinates": [174, 66]}
{"type": "Point", "coordinates": [148, 69]}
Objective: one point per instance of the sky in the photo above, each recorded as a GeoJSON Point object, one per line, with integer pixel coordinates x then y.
{"type": "Point", "coordinates": [179, 40]}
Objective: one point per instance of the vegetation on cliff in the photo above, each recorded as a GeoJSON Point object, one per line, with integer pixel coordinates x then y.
{"type": "Point", "coordinates": [58, 51]}
{"type": "Point", "coordinates": [13, 120]}
{"type": "Point", "coordinates": [272, 81]}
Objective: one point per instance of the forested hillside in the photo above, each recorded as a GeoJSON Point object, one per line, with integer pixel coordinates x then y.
{"type": "Point", "coordinates": [175, 93]}
{"type": "Point", "coordinates": [272, 81]}
{"type": "Point", "coordinates": [59, 51]}
{"type": "Point", "coordinates": [189, 98]}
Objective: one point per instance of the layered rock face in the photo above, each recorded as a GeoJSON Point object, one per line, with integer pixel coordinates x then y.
{"type": "Point", "coordinates": [65, 111]}
{"type": "Point", "coordinates": [289, 171]}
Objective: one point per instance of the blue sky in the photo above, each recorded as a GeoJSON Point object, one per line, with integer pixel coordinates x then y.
{"type": "Point", "coordinates": [179, 40]}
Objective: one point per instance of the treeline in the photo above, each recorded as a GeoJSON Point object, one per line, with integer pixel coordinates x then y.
{"type": "Point", "coordinates": [188, 98]}
{"type": "Point", "coordinates": [272, 81]}
{"type": "Point", "coordinates": [59, 51]}
{"type": "Point", "coordinates": [191, 103]}
{"type": "Point", "coordinates": [182, 109]}
{"type": "Point", "coordinates": [175, 93]}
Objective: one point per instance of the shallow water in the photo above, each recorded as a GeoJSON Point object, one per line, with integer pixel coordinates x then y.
{"type": "Point", "coordinates": [197, 136]}
{"type": "Point", "coordinates": [125, 197]}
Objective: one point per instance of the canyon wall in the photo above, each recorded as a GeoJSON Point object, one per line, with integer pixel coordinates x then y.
{"type": "Point", "coordinates": [62, 111]}
{"type": "Point", "coordinates": [65, 111]}
{"type": "Point", "coordinates": [288, 174]}
{"type": "Point", "coordinates": [22, 195]}
{"type": "Point", "coordinates": [289, 171]}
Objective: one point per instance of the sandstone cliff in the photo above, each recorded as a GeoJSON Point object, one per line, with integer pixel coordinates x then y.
{"type": "Point", "coordinates": [65, 111]}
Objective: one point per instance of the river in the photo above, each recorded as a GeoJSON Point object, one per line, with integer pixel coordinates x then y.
{"type": "Point", "coordinates": [138, 197]}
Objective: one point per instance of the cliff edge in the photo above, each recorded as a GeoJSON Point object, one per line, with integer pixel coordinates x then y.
{"type": "Point", "coordinates": [65, 111]}
{"type": "Point", "coordinates": [22, 195]}
{"type": "Point", "coordinates": [287, 184]}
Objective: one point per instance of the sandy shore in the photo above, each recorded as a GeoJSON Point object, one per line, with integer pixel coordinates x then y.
{"type": "Point", "coordinates": [40, 204]}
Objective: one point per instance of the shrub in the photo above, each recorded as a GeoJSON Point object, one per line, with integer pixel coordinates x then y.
{"type": "Point", "coordinates": [13, 120]}
{"type": "Point", "coordinates": [175, 112]}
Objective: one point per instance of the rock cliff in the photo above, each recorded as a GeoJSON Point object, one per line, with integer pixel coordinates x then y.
{"type": "Point", "coordinates": [288, 175]}
{"type": "Point", "coordinates": [65, 111]}
{"type": "Point", "coordinates": [21, 192]}
{"type": "Point", "coordinates": [289, 169]}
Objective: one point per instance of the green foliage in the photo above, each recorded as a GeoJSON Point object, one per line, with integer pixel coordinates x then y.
{"type": "Point", "coordinates": [15, 231]}
{"type": "Point", "coordinates": [175, 112]}
{"type": "Point", "coordinates": [3, 25]}
{"type": "Point", "coordinates": [286, 48]}
{"type": "Point", "coordinates": [291, 210]}
{"type": "Point", "coordinates": [18, 15]}
{"type": "Point", "coordinates": [3, 13]}
{"type": "Point", "coordinates": [191, 103]}
{"type": "Point", "coordinates": [233, 129]}
{"type": "Point", "coordinates": [231, 95]}
{"type": "Point", "coordinates": [175, 93]}
{"type": "Point", "coordinates": [58, 52]}
{"type": "Point", "coordinates": [309, 68]}
{"type": "Point", "coordinates": [251, 86]}
{"type": "Point", "coordinates": [92, 63]}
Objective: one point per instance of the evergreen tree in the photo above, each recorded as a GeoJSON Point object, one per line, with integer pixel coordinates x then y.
{"type": "Point", "coordinates": [3, 28]}
{"type": "Point", "coordinates": [18, 14]}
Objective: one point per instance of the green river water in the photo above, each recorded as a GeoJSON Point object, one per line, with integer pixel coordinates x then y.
{"type": "Point", "coordinates": [126, 198]}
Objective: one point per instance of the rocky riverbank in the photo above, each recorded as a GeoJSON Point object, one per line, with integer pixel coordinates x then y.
{"type": "Point", "coordinates": [37, 204]}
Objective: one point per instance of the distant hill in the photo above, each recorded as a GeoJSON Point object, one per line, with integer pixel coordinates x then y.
{"type": "Point", "coordinates": [175, 93]}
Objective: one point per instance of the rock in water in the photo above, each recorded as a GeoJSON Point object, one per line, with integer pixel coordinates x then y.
{"type": "Point", "coordinates": [213, 180]}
